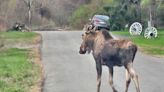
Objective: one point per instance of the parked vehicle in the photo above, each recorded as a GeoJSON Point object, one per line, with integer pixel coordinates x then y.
{"type": "Point", "coordinates": [100, 22]}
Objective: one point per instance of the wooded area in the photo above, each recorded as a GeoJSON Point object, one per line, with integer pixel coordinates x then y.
{"type": "Point", "coordinates": [75, 13]}
{"type": "Point", "coordinates": [122, 12]}
{"type": "Point", "coordinates": [37, 13]}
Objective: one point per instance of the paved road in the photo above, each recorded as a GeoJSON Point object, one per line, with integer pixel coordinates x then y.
{"type": "Point", "coordinates": [68, 71]}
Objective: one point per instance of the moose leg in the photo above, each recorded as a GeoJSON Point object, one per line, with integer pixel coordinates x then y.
{"type": "Point", "coordinates": [134, 76]}
{"type": "Point", "coordinates": [111, 79]}
{"type": "Point", "coordinates": [99, 72]}
{"type": "Point", "coordinates": [128, 80]}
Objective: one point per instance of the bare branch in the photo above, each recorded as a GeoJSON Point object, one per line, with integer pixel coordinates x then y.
{"type": "Point", "coordinates": [25, 1]}
{"type": "Point", "coordinates": [31, 2]}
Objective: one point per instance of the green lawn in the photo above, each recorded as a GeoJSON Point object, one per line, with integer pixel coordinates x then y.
{"type": "Point", "coordinates": [17, 35]}
{"type": "Point", "coordinates": [18, 70]}
{"type": "Point", "coordinates": [14, 38]}
{"type": "Point", "coordinates": [149, 46]}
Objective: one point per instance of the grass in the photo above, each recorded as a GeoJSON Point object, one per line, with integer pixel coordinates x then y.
{"type": "Point", "coordinates": [13, 38]}
{"type": "Point", "coordinates": [122, 33]}
{"type": "Point", "coordinates": [149, 46]}
{"type": "Point", "coordinates": [18, 70]}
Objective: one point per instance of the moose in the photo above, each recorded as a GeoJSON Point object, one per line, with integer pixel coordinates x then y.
{"type": "Point", "coordinates": [110, 52]}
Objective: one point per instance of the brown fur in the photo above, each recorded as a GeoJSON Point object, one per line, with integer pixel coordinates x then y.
{"type": "Point", "coordinates": [110, 52]}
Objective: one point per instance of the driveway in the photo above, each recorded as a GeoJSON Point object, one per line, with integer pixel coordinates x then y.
{"type": "Point", "coordinates": [68, 71]}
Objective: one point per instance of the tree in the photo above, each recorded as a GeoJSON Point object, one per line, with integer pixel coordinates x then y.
{"type": "Point", "coordinates": [29, 4]}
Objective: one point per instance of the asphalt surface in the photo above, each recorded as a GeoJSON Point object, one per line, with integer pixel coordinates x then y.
{"type": "Point", "coordinates": [68, 71]}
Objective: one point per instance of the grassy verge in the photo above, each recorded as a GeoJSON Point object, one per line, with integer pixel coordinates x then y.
{"type": "Point", "coordinates": [21, 38]}
{"type": "Point", "coordinates": [19, 71]}
{"type": "Point", "coordinates": [149, 46]}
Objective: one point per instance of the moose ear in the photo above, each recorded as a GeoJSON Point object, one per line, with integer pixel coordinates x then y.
{"type": "Point", "coordinates": [90, 27]}
{"type": "Point", "coordinates": [87, 32]}
{"type": "Point", "coordinates": [85, 28]}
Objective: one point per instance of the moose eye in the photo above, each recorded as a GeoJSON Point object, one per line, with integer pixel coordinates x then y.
{"type": "Point", "coordinates": [82, 36]}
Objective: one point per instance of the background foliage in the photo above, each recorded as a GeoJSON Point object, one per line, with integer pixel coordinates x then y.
{"type": "Point", "coordinates": [121, 12]}
{"type": "Point", "coordinates": [75, 13]}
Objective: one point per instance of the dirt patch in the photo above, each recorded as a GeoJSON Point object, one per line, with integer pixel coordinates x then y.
{"type": "Point", "coordinates": [36, 50]}
{"type": "Point", "coordinates": [37, 59]}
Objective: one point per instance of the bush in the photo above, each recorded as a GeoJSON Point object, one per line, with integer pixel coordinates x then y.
{"type": "Point", "coordinates": [80, 16]}
{"type": "Point", "coordinates": [121, 12]}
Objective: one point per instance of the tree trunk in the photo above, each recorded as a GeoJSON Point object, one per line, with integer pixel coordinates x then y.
{"type": "Point", "coordinates": [29, 6]}
{"type": "Point", "coordinates": [29, 16]}
{"type": "Point", "coordinates": [152, 12]}
{"type": "Point", "coordinates": [139, 11]}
